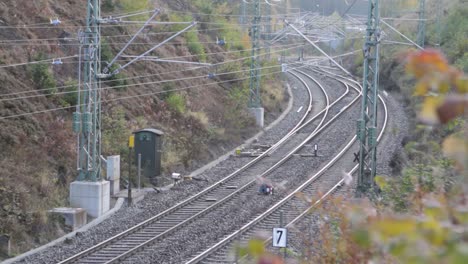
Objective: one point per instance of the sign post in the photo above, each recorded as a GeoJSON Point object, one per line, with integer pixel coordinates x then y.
{"type": "Point", "coordinates": [131, 145]}
{"type": "Point", "coordinates": [280, 236]}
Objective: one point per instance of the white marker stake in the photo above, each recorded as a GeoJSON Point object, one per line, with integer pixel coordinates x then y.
{"type": "Point", "coordinates": [300, 108]}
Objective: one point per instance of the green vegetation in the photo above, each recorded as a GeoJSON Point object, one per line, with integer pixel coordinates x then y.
{"type": "Point", "coordinates": [176, 102]}
{"type": "Point", "coordinates": [71, 93]}
{"type": "Point", "coordinates": [134, 6]}
{"type": "Point", "coordinates": [117, 80]}
{"type": "Point", "coordinates": [42, 76]}
{"type": "Point", "coordinates": [455, 37]}
{"type": "Point", "coordinates": [115, 132]}
{"type": "Point", "coordinates": [191, 36]}
{"type": "Point", "coordinates": [194, 45]}
{"type": "Point", "coordinates": [108, 5]}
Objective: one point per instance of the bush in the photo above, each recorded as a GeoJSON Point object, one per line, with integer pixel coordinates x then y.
{"type": "Point", "coordinates": [116, 80]}
{"type": "Point", "coordinates": [115, 132]}
{"type": "Point", "coordinates": [194, 45]}
{"type": "Point", "coordinates": [176, 102]}
{"type": "Point", "coordinates": [132, 6]}
{"type": "Point", "coordinates": [42, 76]}
{"type": "Point", "coordinates": [168, 90]}
{"type": "Point", "coordinates": [71, 96]}
{"type": "Point", "coordinates": [108, 5]}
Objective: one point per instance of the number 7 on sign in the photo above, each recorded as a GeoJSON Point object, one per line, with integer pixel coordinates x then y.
{"type": "Point", "coordinates": [280, 237]}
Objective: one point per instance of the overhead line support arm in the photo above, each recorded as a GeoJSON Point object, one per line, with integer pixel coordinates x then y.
{"type": "Point", "coordinates": [318, 48]}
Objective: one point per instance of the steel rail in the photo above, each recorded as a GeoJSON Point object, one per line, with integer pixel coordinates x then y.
{"type": "Point", "coordinates": [352, 171]}
{"type": "Point", "coordinates": [233, 236]}
{"type": "Point", "coordinates": [180, 205]}
{"type": "Point", "coordinates": [242, 189]}
{"type": "Point", "coordinates": [142, 245]}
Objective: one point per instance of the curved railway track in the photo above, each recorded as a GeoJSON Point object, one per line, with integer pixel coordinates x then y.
{"type": "Point", "coordinates": [125, 244]}
{"type": "Point", "coordinates": [292, 205]}
{"type": "Point", "coordinates": [214, 228]}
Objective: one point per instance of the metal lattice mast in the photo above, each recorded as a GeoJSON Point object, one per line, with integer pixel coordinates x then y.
{"type": "Point", "coordinates": [367, 124]}
{"type": "Point", "coordinates": [267, 30]}
{"type": "Point", "coordinates": [254, 98]}
{"type": "Point", "coordinates": [243, 14]}
{"type": "Point", "coordinates": [439, 22]}
{"type": "Point", "coordinates": [87, 118]}
{"type": "Point", "coordinates": [422, 23]}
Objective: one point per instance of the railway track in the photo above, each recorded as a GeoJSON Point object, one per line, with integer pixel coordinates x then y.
{"type": "Point", "coordinates": [215, 223]}
{"type": "Point", "coordinates": [160, 226]}
{"type": "Point", "coordinates": [292, 206]}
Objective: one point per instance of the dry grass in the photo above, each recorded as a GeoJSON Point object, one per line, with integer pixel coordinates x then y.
{"type": "Point", "coordinates": [202, 117]}
{"type": "Point", "coordinates": [273, 93]}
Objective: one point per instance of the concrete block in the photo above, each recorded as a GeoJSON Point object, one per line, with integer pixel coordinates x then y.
{"type": "Point", "coordinates": [113, 167]}
{"type": "Point", "coordinates": [94, 197]}
{"type": "Point", "coordinates": [258, 114]}
{"type": "Point", "coordinates": [113, 173]}
{"type": "Point", "coordinates": [114, 186]}
{"type": "Point", "coordinates": [74, 217]}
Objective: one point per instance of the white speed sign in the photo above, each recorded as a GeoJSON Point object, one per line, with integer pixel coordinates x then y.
{"type": "Point", "coordinates": [280, 237]}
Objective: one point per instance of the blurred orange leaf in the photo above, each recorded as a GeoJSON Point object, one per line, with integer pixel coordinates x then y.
{"type": "Point", "coordinates": [426, 62]}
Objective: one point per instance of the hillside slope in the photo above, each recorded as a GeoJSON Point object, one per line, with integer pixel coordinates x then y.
{"type": "Point", "coordinates": [201, 120]}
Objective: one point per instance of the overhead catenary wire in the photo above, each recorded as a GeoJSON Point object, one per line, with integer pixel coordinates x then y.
{"type": "Point", "coordinates": [7, 41]}
{"type": "Point", "coordinates": [106, 36]}
{"type": "Point", "coordinates": [167, 58]}
{"type": "Point", "coordinates": [150, 44]}
{"type": "Point", "coordinates": [67, 57]}
{"type": "Point", "coordinates": [36, 62]}
{"type": "Point", "coordinates": [176, 57]}
{"type": "Point", "coordinates": [159, 92]}
{"type": "Point", "coordinates": [292, 46]}
{"type": "Point", "coordinates": [125, 15]}
{"type": "Point", "coordinates": [122, 86]}
{"type": "Point", "coordinates": [133, 23]}
{"type": "Point", "coordinates": [140, 95]}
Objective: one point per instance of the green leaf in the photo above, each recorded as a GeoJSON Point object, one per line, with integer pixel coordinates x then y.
{"type": "Point", "coordinates": [398, 249]}
{"type": "Point", "coordinates": [256, 247]}
{"type": "Point", "coordinates": [381, 182]}
{"type": "Point", "coordinates": [362, 238]}
{"type": "Point", "coordinates": [390, 228]}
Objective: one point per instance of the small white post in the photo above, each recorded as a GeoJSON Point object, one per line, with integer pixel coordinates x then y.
{"type": "Point", "coordinates": [139, 171]}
